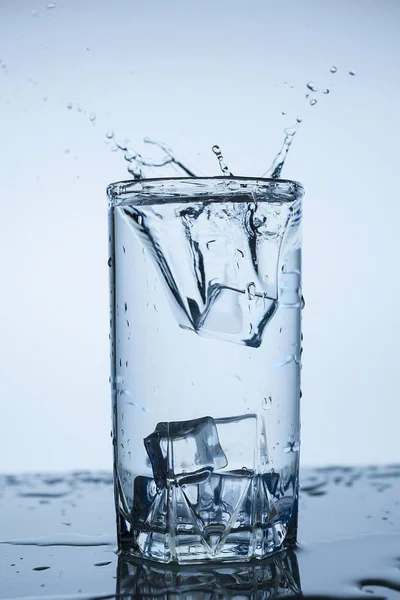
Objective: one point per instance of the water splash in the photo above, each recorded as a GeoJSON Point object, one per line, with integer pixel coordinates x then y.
{"type": "Point", "coordinates": [139, 164]}
{"type": "Point", "coordinates": [275, 170]}
{"type": "Point", "coordinates": [224, 168]}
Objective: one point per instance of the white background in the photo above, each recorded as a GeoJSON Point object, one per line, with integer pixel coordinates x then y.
{"type": "Point", "coordinates": [194, 74]}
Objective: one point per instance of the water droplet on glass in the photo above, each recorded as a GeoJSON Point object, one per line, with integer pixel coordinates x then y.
{"type": "Point", "coordinates": [109, 135]}
{"type": "Point", "coordinates": [303, 302]}
{"type": "Point", "coordinates": [311, 86]}
{"type": "Point", "coordinates": [250, 290]}
{"type": "Point", "coordinates": [284, 113]}
{"type": "Point", "coordinates": [333, 69]}
{"type": "Point", "coordinates": [69, 105]}
{"type": "Point", "coordinates": [51, 5]}
{"type": "Point", "coordinates": [40, 568]}
{"type": "Point", "coordinates": [299, 119]}
{"type": "Point", "coordinates": [313, 101]}
{"type": "Point", "coordinates": [267, 402]}
{"type": "Point", "coordinates": [126, 306]}
{"type": "Point", "coordinates": [352, 73]}
{"type": "Point", "coordinates": [110, 262]}
{"type": "Point", "coordinates": [325, 91]}
{"type": "Point", "coordinates": [92, 117]}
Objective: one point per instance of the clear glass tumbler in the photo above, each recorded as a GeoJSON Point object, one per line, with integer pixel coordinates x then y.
{"type": "Point", "coordinates": [205, 366]}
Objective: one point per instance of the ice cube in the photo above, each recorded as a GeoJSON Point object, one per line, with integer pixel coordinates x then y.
{"type": "Point", "coordinates": [237, 436]}
{"type": "Point", "coordinates": [184, 451]}
{"type": "Point", "coordinates": [211, 254]}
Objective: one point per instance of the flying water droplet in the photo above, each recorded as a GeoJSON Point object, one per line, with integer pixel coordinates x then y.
{"type": "Point", "coordinates": [313, 101]}
{"type": "Point", "coordinates": [224, 168]}
{"type": "Point", "coordinates": [333, 69]}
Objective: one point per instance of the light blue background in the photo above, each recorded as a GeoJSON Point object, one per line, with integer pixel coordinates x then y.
{"type": "Point", "coordinates": [194, 74]}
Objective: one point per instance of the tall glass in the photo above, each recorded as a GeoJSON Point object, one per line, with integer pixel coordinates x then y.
{"type": "Point", "coordinates": [205, 365]}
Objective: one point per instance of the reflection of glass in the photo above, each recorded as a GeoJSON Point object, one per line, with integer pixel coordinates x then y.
{"type": "Point", "coordinates": [205, 343]}
{"type": "Point", "coordinates": [272, 578]}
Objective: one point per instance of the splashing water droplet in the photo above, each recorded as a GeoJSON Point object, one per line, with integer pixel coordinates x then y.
{"type": "Point", "coordinates": [224, 168]}
{"type": "Point", "coordinates": [313, 101]}
{"type": "Point", "coordinates": [275, 169]}
{"type": "Point", "coordinates": [333, 69]}
{"type": "Point", "coordinates": [312, 87]}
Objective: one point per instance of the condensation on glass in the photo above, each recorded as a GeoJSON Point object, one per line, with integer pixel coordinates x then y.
{"type": "Point", "coordinates": [206, 354]}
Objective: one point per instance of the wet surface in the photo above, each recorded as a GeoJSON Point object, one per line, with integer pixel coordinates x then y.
{"type": "Point", "coordinates": [57, 540]}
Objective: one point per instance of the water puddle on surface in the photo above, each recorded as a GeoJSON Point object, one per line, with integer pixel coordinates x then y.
{"type": "Point", "coordinates": [349, 544]}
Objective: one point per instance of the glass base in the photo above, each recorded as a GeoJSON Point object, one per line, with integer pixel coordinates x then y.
{"type": "Point", "coordinates": [212, 544]}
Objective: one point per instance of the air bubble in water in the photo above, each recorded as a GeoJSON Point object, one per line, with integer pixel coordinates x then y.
{"type": "Point", "coordinates": [333, 69]}
{"type": "Point", "coordinates": [313, 101]}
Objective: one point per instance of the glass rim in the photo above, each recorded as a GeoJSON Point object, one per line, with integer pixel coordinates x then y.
{"type": "Point", "coordinates": [161, 189]}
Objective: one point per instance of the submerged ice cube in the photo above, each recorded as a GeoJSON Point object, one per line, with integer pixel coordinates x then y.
{"type": "Point", "coordinates": [237, 436]}
{"type": "Point", "coordinates": [219, 261]}
{"type": "Point", "coordinates": [184, 451]}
